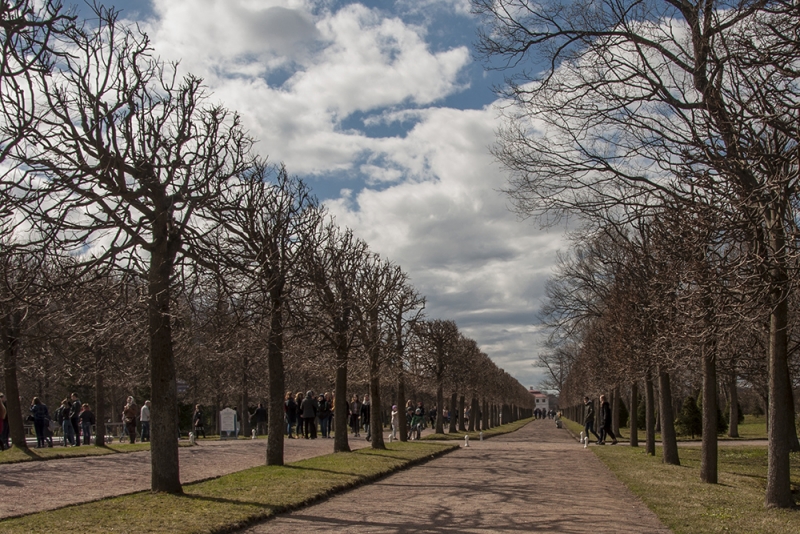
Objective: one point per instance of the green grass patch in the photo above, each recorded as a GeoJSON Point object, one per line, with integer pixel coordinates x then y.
{"type": "Point", "coordinates": [15, 455]}
{"type": "Point", "coordinates": [231, 501]}
{"type": "Point", "coordinates": [496, 431]}
{"type": "Point", "coordinates": [688, 506]}
{"type": "Point", "coordinates": [753, 427]}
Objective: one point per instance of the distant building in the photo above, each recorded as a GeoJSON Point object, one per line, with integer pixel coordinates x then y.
{"type": "Point", "coordinates": [541, 400]}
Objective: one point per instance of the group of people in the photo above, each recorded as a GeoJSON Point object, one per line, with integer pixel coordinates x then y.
{"type": "Point", "coordinates": [605, 420]}
{"type": "Point", "coordinates": [76, 419]}
{"type": "Point", "coordinates": [302, 413]}
{"type": "Point", "coordinates": [541, 413]}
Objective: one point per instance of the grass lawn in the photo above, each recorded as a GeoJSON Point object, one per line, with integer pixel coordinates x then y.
{"type": "Point", "coordinates": [231, 501]}
{"type": "Point", "coordinates": [686, 505]}
{"type": "Point", "coordinates": [496, 431]}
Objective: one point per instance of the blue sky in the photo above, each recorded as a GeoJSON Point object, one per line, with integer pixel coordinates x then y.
{"type": "Point", "coordinates": [382, 108]}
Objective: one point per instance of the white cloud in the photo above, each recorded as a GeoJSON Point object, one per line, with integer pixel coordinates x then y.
{"type": "Point", "coordinates": [448, 226]}
{"type": "Point", "coordinates": [311, 83]}
{"type": "Point", "coordinates": [361, 62]}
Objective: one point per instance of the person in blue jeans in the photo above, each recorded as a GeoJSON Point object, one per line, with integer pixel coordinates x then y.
{"type": "Point", "coordinates": [86, 418]}
{"type": "Point", "coordinates": [588, 419]}
{"type": "Point", "coordinates": [63, 417]}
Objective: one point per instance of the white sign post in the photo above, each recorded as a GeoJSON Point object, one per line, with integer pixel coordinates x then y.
{"type": "Point", "coordinates": [227, 424]}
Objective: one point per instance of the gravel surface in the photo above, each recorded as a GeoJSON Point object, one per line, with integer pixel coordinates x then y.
{"type": "Point", "coordinates": [538, 479]}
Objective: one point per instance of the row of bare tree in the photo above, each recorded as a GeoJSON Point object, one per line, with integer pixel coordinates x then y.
{"type": "Point", "coordinates": [673, 125]}
{"type": "Point", "coordinates": [142, 232]}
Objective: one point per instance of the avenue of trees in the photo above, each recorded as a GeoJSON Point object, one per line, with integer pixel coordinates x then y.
{"type": "Point", "coordinates": [145, 244]}
{"type": "Point", "coordinates": [667, 132]}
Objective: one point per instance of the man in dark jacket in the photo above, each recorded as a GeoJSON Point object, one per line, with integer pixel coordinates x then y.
{"type": "Point", "coordinates": [260, 419]}
{"type": "Point", "coordinates": [605, 422]}
{"type": "Point", "coordinates": [588, 419]}
{"type": "Point", "coordinates": [309, 410]}
{"type": "Point", "coordinates": [366, 412]}
{"type": "Point", "coordinates": [74, 417]}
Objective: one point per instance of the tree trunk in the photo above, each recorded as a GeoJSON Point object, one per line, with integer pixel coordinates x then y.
{"type": "Point", "coordinates": [340, 443]}
{"type": "Point", "coordinates": [401, 395]}
{"type": "Point", "coordinates": [164, 460]}
{"type": "Point", "coordinates": [473, 414]}
{"type": "Point", "coordinates": [669, 444]}
{"type": "Point", "coordinates": [634, 414]}
{"type": "Point", "coordinates": [709, 453]}
{"type": "Point", "coordinates": [275, 407]}
{"type": "Point", "coordinates": [10, 329]}
{"type": "Point", "coordinates": [794, 444]}
{"type": "Point", "coordinates": [99, 401]}
{"type": "Point", "coordinates": [779, 491]}
{"type": "Point", "coordinates": [650, 416]}
{"type": "Point", "coordinates": [461, 407]}
{"type": "Point", "coordinates": [485, 415]}
{"type": "Point", "coordinates": [375, 416]}
{"type": "Point", "coordinates": [439, 404]}
{"type": "Point", "coordinates": [453, 414]}
{"type": "Point", "coordinates": [615, 411]}
{"type": "Point", "coordinates": [733, 408]}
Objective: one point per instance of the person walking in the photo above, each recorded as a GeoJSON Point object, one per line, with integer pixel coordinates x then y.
{"type": "Point", "coordinates": [197, 422]}
{"type": "Point", "coordinates": [298, 403]}
{"type": "Point", "coordinates": [355, 412]}
{"type": "Point", "coordinates": [41, 417]}
{"type": "Point", "coordinates": [588, 419]}
{"type": "Point", "coordinates": [260, 417]}
{"type": "Point", "coordinates": [3, 424]}
{"type": "Point", "coordinates": [308, 408]}
{"type": "Point", "coordinates": [416, 422]}
{"type": "Point", "coordinates": [331, 407]}
{"type": "Point", "coordinates": [74, 417]}
{"type": "Point", "coordinates": [63, 419]}
{"type": "Point", "coordinates": [86, 420]}
{"type": "Point", "coordinates": [366, 413]}
{"type": "Point", "coordinates": [323, 414]}
{"type": "Point", "coordinates": [605, 422]}
{"type": "Point", "coordinates": [395, 422]}
{"type": "Point", "coordinates": [129, 415]}
{"type": "Point", "coordinates": [144, 418]}
{"type": "Point", "coordinates": [4, 435]}
{"type": "Point", "coordinates": [290, 413]}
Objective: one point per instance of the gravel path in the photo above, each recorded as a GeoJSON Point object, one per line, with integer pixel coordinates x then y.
{"type": "Point", "coordinates": [43, 485]}
{"type": "Point", "coordinates": [537, 479]}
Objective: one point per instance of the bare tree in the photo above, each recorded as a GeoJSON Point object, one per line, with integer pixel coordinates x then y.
{"type": "Point", "coordinates": [379, 285]}
{"type": "Point", "coordinates": [333, 265]}
{"type": "Point", "coordinates": [267, 228]}
{"type": "Point", "coordinates": [438, 341]}
{"type": "Point", "coordinates": [123, 163]}
{"type": "Point", "coordinates": [648, 100]}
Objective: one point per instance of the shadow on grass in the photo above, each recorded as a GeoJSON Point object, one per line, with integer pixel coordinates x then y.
{"type": "Point", "coordinates": [321, 470]}
{"type": "Point", "coordinates": [272, 508]}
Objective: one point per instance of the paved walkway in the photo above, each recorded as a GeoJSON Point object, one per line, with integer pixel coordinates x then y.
{"type": "Point", "coordinates": [538, 479]}
{"type": "Point", "coordinates": [35, 486]}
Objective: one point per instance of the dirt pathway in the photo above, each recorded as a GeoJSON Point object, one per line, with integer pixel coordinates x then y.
{"type": "Point", "coordinates": [537, 479]}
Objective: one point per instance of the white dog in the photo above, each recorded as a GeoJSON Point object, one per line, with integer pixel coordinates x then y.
{"type": "Point", "coordinates": [253, 434]}
{"type": "Point", "coordinates": [191, 438]}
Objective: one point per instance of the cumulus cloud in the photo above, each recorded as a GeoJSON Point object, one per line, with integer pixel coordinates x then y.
{"type": "Point", "coordinates": [315, 80]}
{"type": "Point", "coordinates": [448, 225]}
